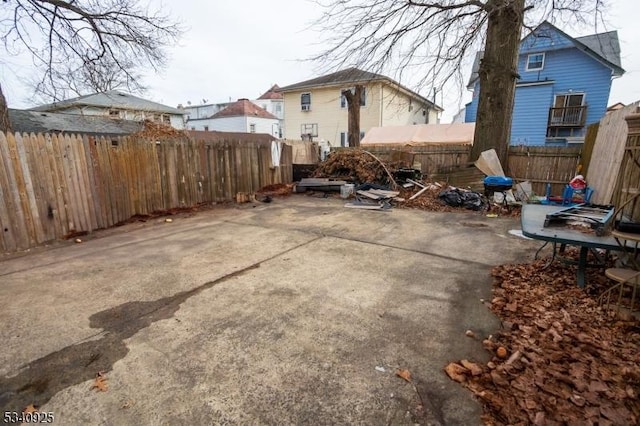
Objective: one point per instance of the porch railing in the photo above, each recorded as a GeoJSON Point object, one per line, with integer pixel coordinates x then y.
{"type": "Point", "coordinates": [573, 116]}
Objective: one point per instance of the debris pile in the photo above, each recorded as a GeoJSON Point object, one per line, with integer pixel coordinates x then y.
{"type": "Point", "coordinates": [361, 167]}
{"type": "Point", "coordinates": [153, 130]}
{"type": "Point", "coordinates": [561, 358]}
{"type": "Point", "coordinates": [353, 165]}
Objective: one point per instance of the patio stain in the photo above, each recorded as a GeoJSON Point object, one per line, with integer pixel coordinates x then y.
{"type": "Point", "coordinates": [38, 381]}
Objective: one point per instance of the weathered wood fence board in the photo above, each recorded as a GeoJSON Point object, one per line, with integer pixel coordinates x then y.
{"type": "Point", "coordinates": [53, 186]}
{"type": "Point", "coordinates": [433, 159]}
{"type": "Point", "coordinates": [608, 152]}
{"type": "Point", "coordinates": [541, 165]}
{"type": "Point", "coordinates": [626, 195]}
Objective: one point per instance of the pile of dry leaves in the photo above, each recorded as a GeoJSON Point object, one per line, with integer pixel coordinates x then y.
{"type": "Point", "coordinates": [564, 359]}
{"type": "Point", "coordinates": [276, 190]}
{"type": "Point", "coordinates": [353, 165]}
{"type": "Point", "coordinates": [429, 201]}
{"type": "Point", "coordinates": [153, 130]}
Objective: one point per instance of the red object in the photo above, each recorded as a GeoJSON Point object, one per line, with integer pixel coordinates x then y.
{"type": "Point", "coordinates": [578, 182]}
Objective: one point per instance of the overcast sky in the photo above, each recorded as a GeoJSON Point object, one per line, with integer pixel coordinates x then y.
{"type": "Point", "coordinates": [238, 49]}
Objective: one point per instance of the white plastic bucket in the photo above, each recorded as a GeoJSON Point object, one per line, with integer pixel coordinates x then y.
{"type": "Point", "coordinates": [346, 190]}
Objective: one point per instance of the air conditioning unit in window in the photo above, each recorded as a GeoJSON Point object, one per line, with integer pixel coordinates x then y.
{"type": "Point", "coordinates": [306, 107]}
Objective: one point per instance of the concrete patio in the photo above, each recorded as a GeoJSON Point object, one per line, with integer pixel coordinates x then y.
{"type": "Point", "coordinates": [269, 314]}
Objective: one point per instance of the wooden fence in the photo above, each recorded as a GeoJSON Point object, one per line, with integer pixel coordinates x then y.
{"type": "Point", "coordinates": [431, 159]}
{"type": "Point", "coordinates": [543, 164]}
{"type": "Point", "coordinates": [53, 186]}
{"type": "Point", "coordinates": [538, 164]}
{"type": "Point", "coordinates": [608, 151]}
{"type": "Point", "coordinates": [304, 152]}
{"type": "Point", "coordinates": [626, 195]}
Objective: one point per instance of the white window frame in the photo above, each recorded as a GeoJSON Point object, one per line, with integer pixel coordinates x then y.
{"type": "Point", "coordinates": [344, 139]}
{"type": "Point", "coordinates": [252, 127]}
{"type": "Point", "coordinates": [309, 129]}
{"type": "Point", "coordinates": [302, 104]}
{"type": "Point", "coordinates": [529, 61]}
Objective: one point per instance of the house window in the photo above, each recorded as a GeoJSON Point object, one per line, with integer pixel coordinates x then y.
{"type": "Point", "coordinates": [166, 119]}
{"type": "Point", "coordinates": [535, 62]}
{"type": "Point", "coordinates": [278, 108]}
{"type": "Point", "coordinates": [309, 130]}
{"type": "Point", "coordinates": [305, 101]}
{"type": "Point", "coordinates": [361, 135]}
{"type": "Point", "coordinates": [114, 113]}
{"type": "Point", "coordinates": [343, 139]}
{"type": "Point", "coordinates": [568, 110]}
{"type": "Point", "coordinates": [206, 128]}
{"type": "Point", "coordinates": [363, 98]}
{"type": "Point", "coordinates": [252, 128]}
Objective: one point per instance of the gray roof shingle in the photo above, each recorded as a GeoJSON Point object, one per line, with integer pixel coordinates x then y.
{"type": "Point", "coordinates": [605, 45]}
{"type": "Point", "coordinates": [350, 76]}
{"type": "Point", "coordinates": [25, 121]}
{"type": "Point", "coordinates": [111, 99]}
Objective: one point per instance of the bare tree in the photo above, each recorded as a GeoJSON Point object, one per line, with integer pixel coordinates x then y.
{"type": "Point", "coordinates": [429, 41]}
{"type": "Point", "coordinates": [85, 44]}
{"type": "Point", "coordinates": [92, 77]}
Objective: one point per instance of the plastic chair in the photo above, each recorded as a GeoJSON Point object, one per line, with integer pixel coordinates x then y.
{"type": "Point", "coordinates": [568, 196]}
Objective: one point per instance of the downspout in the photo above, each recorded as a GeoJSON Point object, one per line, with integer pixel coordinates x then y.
{"type": "Point", "coordinates": [381, 95]}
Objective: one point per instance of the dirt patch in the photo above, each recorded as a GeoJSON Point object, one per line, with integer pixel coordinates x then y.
{"type": "Point", "coordinates": [276, 190]}
{"type": "Point", "coordinates": [565, 359]}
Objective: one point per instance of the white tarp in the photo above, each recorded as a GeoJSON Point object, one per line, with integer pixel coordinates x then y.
{"type": "Point", "coordinates": [435, 134]}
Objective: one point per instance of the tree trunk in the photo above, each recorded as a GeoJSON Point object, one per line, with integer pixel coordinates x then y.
{"type": "Point", "coordinates": [353, 105]}
{"type": "Point", "coordinates": [5, 124]}
{"type": "Point", "coordinates": [498, 74]}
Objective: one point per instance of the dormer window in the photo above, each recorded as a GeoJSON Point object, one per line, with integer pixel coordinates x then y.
{"type": "Point", "coordinates": [535, 62]}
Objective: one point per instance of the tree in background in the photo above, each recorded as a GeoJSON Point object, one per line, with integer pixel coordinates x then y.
{"type": "Point", "coordinates": [84, 45]}
{"type": "Point", "coordinates": [353, 97]}
{"type": "Point", "coordinates": [432, 39]}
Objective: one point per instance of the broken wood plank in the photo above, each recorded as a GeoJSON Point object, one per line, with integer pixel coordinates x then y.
{"type": "Point", "coordinates": [312, 182]}
{"type": "Point", "coordinates": [419, 193]}
{"type": "Point", "coordinates": [415, 183]}
{"type": "Point", "coordinates": [384, 193]}
{"type": "Point", "coordinates": [369, 195]}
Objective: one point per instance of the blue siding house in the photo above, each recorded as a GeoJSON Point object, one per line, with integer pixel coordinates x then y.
{"type": "Point", "coordinates": [564, 85]}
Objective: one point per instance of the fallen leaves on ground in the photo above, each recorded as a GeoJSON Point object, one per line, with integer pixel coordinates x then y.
{"type": "Point", "coordinates": [100, 383]}
{"type": "Point", "coordinates": [571, 362]}
{"type": "Point", "coordinates": [275, 190]}
{"type": "Point", "coordinates": [404, 374]}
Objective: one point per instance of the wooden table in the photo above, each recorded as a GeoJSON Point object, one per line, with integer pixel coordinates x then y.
{"type": "Point", "coordinates": [532, 222]}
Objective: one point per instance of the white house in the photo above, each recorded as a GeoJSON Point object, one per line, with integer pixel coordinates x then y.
{"type": "Point", "coordinates": [118, 105]}
{"type": "Point", "coordinates": [273, 101]}
{"type": "Point", "coordinates": [240, 116]}
{"type": "Point", "coordinates": [195, 112]}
